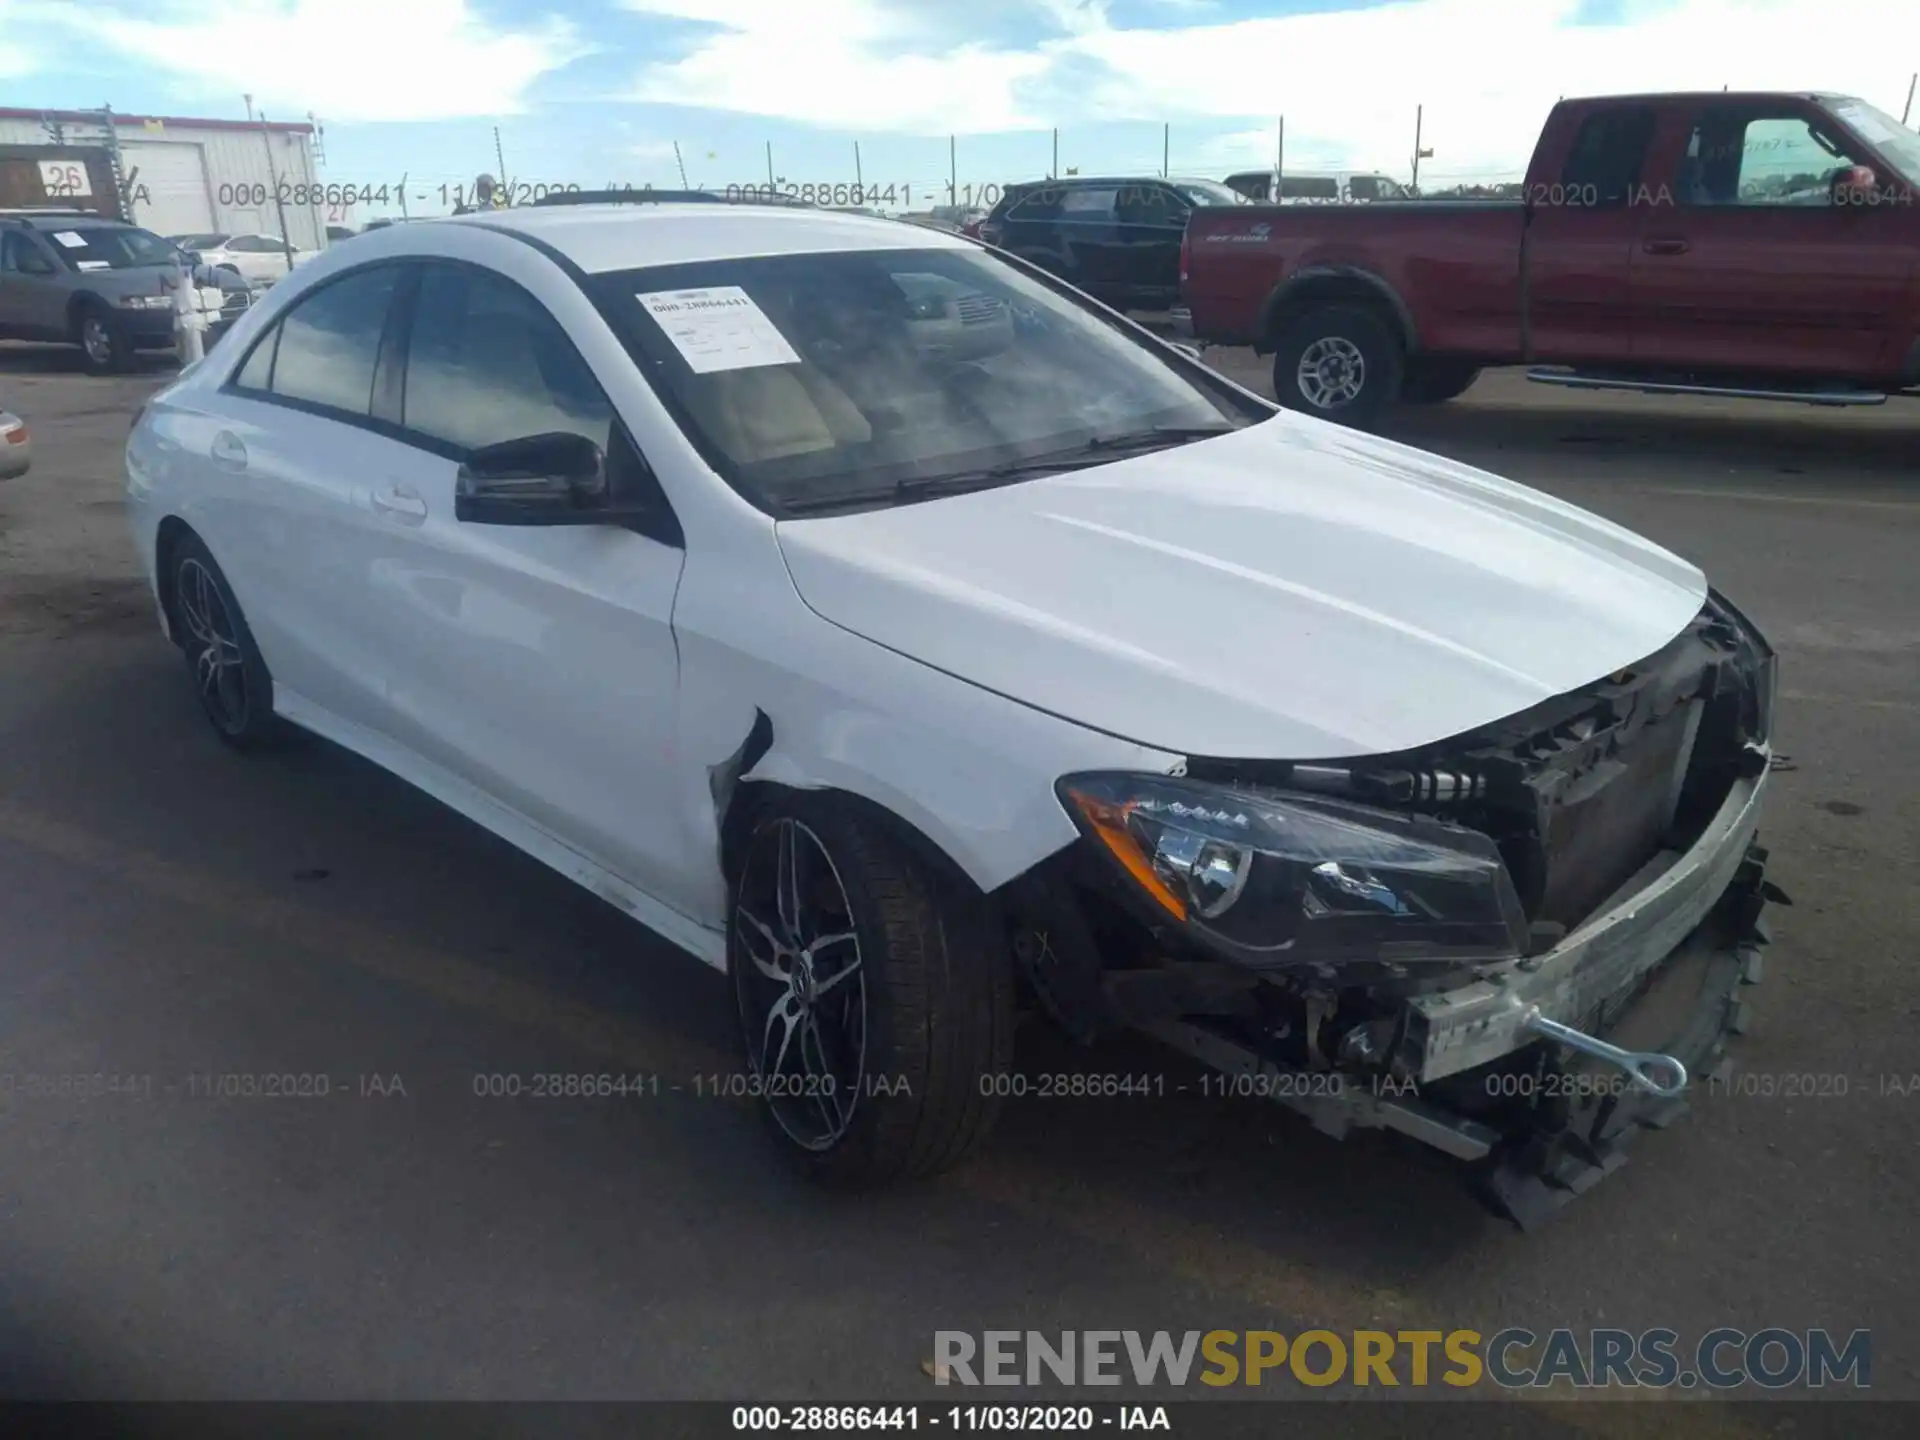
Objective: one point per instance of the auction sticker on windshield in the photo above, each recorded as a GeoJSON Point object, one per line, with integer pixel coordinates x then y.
{"type": "Point", "coordinates": [71, 239]}
{"type": "Point", "coordinates": [719, 328]}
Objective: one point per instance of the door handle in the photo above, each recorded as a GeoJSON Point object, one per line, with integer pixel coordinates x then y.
{"type": "Point", "coordinates": [1666, 246]}
{"type": "Point", "coordinates": [227, 451]}
{"type": "Point", "coordinates": [398, 502]}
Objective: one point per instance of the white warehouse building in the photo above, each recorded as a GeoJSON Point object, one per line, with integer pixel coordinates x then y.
{"type": "Point", "coordinates": [188, 176]}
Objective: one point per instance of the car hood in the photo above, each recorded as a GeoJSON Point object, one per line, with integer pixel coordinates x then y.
{"type": "Point", "coordinates": [1291, 591]}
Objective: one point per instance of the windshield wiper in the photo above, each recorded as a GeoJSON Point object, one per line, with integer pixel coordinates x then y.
{"type": "Point", "coordinates": [1098, 450]}
{"type": "Point", "coordinates": [1095, 451]}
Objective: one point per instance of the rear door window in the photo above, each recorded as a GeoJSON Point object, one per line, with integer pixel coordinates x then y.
{"type": "Point", "coordinates": [1604, 162]}
{"type": "Point", "coordinates": [1090, 204]}
{"type": "Point", "coordinates": [1310, 187]}
{"type": "Point", "coordinates": [329, 343]}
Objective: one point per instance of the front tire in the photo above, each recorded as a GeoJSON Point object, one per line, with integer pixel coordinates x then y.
{"type": "Point", "coordinates": [876, 1005]}
{"type": "Point", "coordinates": [230, 677]}
{"type": "Point", "coordinates": [102, 338]}
{"type": "Point", "coordinates": [1340, 363]}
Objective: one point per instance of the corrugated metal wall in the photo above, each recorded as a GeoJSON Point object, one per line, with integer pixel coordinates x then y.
{"type": "Point", "coordinates": [233, 164]}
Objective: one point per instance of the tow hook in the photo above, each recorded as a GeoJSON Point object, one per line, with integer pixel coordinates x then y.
{"type": "Point", "coordinates": [1663, 1075]}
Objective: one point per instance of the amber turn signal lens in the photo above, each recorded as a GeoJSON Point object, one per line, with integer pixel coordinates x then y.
{"type": "Point", "coordinates": [1109, 822]}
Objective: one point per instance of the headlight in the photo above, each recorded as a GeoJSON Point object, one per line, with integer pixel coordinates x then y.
{"type": "Point", "coordinates": [147, 302]}
{"type": "Point", "coordinates": [1284, 880]}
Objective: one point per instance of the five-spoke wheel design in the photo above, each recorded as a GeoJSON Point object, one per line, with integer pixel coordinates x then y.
{"type": "Point", "coordinates": [801, 984]}
{"type": "Point", "coordinates": [212, 643]}
{"type": "Point", "coordinates": [230, 678]}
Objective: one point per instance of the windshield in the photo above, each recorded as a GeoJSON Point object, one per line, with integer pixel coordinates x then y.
{"type": "Point", "coordinates": [1894, 141]}
{"type": "Point", "coordinates": [1208, 192]}
{"type": "Point", "coordinates": [200, 242]}
{"type": "Point", "coordinates": [97, 247]}
{"type": "Point", "coordinates": [810, 379]}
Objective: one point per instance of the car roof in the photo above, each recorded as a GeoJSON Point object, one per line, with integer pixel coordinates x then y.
{"type": "Point", "coordinates": [63, 219]}
{"type": "Point", "coordinates": [1074, 180]}
{"type": "Point", "coordinates": [600, 238]}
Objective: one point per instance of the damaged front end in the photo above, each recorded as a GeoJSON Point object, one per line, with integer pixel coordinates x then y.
{"type": "Point", "coordinates": [1515, 945]}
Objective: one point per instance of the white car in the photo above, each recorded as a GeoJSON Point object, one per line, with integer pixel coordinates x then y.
{"type": "Point", "coordinates": [257, 259]}
{"type": "Point", "coordinates": [907, 680]}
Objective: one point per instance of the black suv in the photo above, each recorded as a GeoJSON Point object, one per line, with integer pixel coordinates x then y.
{"type": "Point", "coordinates": [1118, 239]}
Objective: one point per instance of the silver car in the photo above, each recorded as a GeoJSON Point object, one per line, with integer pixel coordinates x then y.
{"type": "Point", "coordinates": [16, 447]}
{"type": "Point", "coordinates": [86, 280]}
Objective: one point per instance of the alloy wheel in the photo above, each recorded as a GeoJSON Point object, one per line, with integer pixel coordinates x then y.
{"type": "Point", "coordinates": [800, 982]}
{"type": "Point", "coordinates": [96, 340]}
{"type": "Point", "coordinates": [213, 646]}
{"type": "Point", "coordinates": [1331, 372]}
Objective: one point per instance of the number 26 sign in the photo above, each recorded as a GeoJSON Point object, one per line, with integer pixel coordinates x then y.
{"type": "Point", "coordinates": [62, 178]}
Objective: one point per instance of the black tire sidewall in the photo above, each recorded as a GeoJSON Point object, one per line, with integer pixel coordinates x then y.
{"type": "Point", "coordinates": [1435, 382]}
{"type": "Point", "coordinates": [1379, 349]}
{"type": "Point", "coordinates": [887, 1130]}
{"type": "Point", "coordinates": [261, 727]}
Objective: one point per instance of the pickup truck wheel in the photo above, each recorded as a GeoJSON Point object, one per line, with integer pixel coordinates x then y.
{"type": "Point", "coordinates": [1434, 382]}
{"type": "Point", "coordinates": [1341, 364]}
{"type": "Point", "coordinates": [875, 1005]}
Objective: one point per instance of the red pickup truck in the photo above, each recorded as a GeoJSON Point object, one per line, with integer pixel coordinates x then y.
{"type": "Point", "coordinates": [1763, 245]}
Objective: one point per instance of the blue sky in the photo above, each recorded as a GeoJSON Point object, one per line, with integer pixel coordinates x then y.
{"type": "Point", "coordinates": [588, 91]}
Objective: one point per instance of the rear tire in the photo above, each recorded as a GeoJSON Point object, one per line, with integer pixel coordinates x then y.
{"type": "Point", "coordinates": [1434, 382]}
{"type": "Point", "coordinates": [856, 960]}
{"type": "Point", "coordinates": [230, 677]}
{"type": "Point", "coordinates": [1340, 363]}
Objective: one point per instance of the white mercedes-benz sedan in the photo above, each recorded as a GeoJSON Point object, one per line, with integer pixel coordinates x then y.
{"type": "Point", "coordinates": [914, 640]}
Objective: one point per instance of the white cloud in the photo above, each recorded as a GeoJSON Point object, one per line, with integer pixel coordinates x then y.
{"type": "Point", "coordinates": [873, 65]}
{"type": "Point", "coordinates": [16, 58]}
{"type": "Point", "coordinates": [1485, 70]}
{"type": "Point", "coordinates": [343, 59]}
{"type": "Point", "coordinates": [1347, 81]}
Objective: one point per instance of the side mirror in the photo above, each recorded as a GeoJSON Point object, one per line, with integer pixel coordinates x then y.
{"type": "Point", "coordinates": [553, 479]}
{"type": "Point", "coordinates": [1855, 185]}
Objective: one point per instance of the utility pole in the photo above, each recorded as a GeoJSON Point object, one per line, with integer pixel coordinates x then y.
{"type": "Point", "coordinates": [1053, 171]}
{"type": "Point", "coordinates": [1909, 110]}
{"type": "Point", "coordinates": [1166, 148]}
{"type": "Point", "coordinates": [122, 185]}
{"type": "Point", "coordinates": [682, 166]}
{"type": "Point", "coordinates": [273, 174]}
{"type": "Point", "coordinates": [953, 171]}
{"type": "Point", "coordinates": [1419, 115]}
{"type": "Point", "coordinates": [771, 182]}
{"type": "Point", "coordinates": [500, 160]}
{"type": "Point", "coordinates": [1279, 159]}
{"type": "Point", "coordinates": [859, 180]}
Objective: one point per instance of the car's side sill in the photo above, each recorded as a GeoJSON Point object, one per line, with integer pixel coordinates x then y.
{"type": "Point", "coordinates": [509, 824]}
